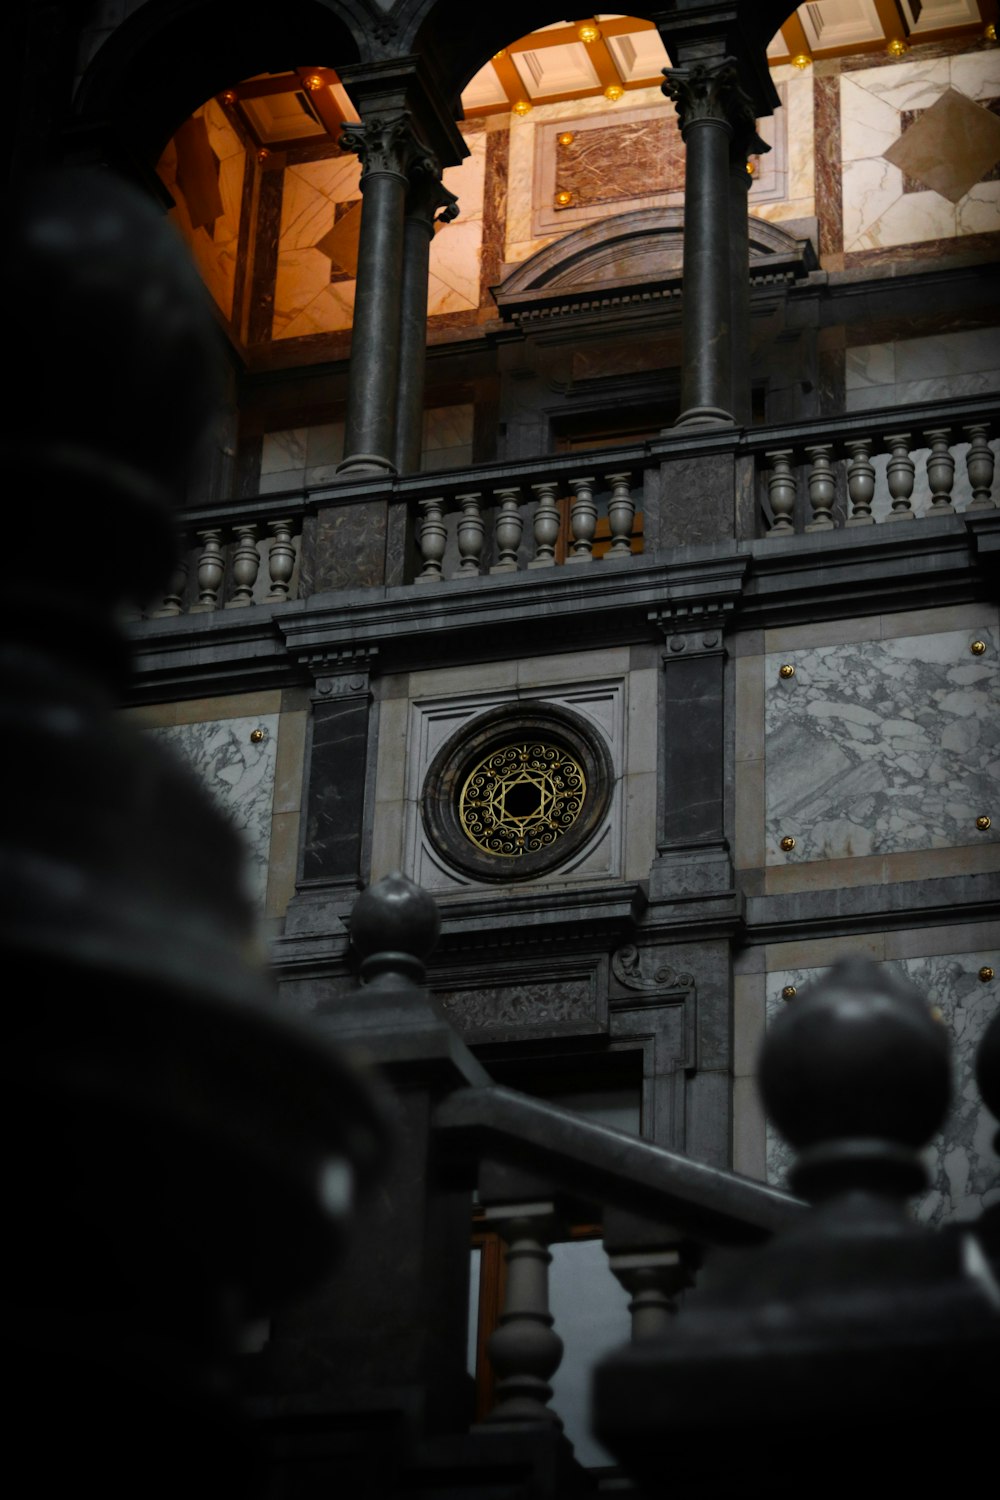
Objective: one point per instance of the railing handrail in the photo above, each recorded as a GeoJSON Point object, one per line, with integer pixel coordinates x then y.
{"type": "Point", "coordinates": [494, 474]}
{"type": "Point", "coordinates": [601, 1164]}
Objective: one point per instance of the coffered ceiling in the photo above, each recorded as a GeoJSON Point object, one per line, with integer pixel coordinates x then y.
{"type": "Point", "coordinates": [601, 54]}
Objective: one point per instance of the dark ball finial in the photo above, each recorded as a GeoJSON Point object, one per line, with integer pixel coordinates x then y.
{"type": "Point", "coordinates": [394, 926]}
{"type": "Point", "coordinates": [855, 1074]}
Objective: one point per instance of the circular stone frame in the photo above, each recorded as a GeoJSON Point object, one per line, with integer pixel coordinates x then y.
{"type": "Point", "coordinates": [491, 731]}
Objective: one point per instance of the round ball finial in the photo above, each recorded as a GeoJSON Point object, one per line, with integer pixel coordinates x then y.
{"type": "Point", "coordinates": [394, 925]}
{"type": "Point", "coordinates": [857, 1070]}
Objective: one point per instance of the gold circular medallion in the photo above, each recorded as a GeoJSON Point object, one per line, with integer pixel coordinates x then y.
{"type": "Point", "coordinates": [521, 798]}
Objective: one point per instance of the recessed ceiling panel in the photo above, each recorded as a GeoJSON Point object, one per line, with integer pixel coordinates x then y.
{"type": "Point", "coordinates": [483, 90]}
{"type": "Point", "coordinates": [840, 23]}
{"type": "Point", "coordinates": [556, 70]}
{"type": "Point", "coordinates": [638, 54]}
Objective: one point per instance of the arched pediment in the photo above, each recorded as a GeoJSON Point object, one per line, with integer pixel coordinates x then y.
{"type": "Point", "coordinates": [633, 256]}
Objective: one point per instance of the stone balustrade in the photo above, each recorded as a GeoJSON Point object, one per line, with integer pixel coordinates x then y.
{"type": "Point", "coordinates": [232, 564]}
{"type": "Point", "coordinates": [883, 470]}
{"type": "Point", "coordinates": [528, 525]}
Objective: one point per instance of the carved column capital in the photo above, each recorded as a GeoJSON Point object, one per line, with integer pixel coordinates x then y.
{"type": "Point", "coordinates": [711, 92]}
{"type": "Point", "coordinates": [427, 193]}
{"type": "Point", "coordinates": [387, 144]}
{"type": "Point", "coordinates": [340, 672]}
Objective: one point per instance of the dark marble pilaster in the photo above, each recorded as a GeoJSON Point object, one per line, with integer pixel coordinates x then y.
{"type": "Point", "coordinates": [334, 795]}
{"type": "Point", "coordinates": [692, 862]}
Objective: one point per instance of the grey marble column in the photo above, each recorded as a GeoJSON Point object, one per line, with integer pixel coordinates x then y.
{"type": "Point", "coordinates": [739, 279]}
{"type": "Point", "coordinates": [426, 196]}
{"type": "Point", "coordinates": [387, 146]}
{"type": "Point", "coordinates": [713, 111]}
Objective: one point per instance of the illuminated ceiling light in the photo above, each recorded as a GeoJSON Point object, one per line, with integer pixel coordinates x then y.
{"type": "Point", "coordinates": [263, 154]}
{"type": "Point", "coordinates": [897, 47]}
{"type": "Point", "coordinates": [501, 53]}
{"type": "Point", "coordinates": [566, 139]}
{"type": "Point", "coordinates": [588, 32]}
{"type": "Point", "coordinates": [313, 83]}
{"type": "Point", "coordinates": [801, 60]}
{"type": "Point", "coordinates": [522, 107]}
{"type": "Point", "coordinates": [752, 166]}
{"type": "Point", "coordinates": [613, 92]}
{"type": "Point", "coordinates": [229, 97]}
{"type": "Point", "coordinates": [564, 198]}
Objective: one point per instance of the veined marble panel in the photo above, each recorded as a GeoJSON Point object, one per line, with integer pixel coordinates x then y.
{"type": "Point", "coordinates": [879, 747]}
{"type": "Point", "coordinates": [873, 102]}
{"type": "Point", "coordinates": [963, 1169]}
{"type": "Point", "coordinates": [239, 775]}
{"type": "Point", "coordinates": [215, 252]}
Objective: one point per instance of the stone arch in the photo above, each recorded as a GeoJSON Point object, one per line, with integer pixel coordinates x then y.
{"type": "Point", "coordinates": [169, 56]}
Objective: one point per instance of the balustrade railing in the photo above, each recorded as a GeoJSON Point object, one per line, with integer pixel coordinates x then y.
{"type": "Point", "coordinates": [859, 469]}
{"type": "Point", "coordinates": [877, 472]}
{"type": "Point", "coordinates": [530, 525]}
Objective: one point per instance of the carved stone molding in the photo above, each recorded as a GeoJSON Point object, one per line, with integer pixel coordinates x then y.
{"type": "Point", "coordinates": [626, 966]}
{"type": "Point", "coordinates": [540, 1005]}
{"type": "Point", "coordinates": [342, 672]}
{"type": "Point", "coordinates": [693, 629]}
{"type": "Point", "coordinates": [711, 91]}
{"type": "Point", "coordinates": [385, 144]}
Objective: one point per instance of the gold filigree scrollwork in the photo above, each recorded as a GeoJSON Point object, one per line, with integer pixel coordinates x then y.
{"type": "Point", "coordinates": [521, 798]}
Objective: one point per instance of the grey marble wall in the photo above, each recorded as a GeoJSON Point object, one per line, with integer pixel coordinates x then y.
{"type": "Point", "coordinates": [882, 746]}
{"type": "Point", "coordinates": [240, 776]}
{"type": "Point", "coordinates": [964, 1171]}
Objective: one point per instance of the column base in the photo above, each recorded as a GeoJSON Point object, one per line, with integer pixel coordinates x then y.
{"type": "Point", "coordinates": [704, 416]}
{"type": "Point", "coordinates": [364, 463]}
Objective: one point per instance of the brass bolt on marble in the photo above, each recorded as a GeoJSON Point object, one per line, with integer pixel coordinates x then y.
{"type": "Point", "coordinates": [788, 993]}
{"type": "Point", "coordinates": [787, 843]}
{"type": "Point", "coordinates": [786, 670]}
{"type": "Point", "coordinates": [613, 92]}
{"type": "Point", "coordinates": [986, 974]}
{"type": "Point", "coordinates": [258, 736]}
{"type": "Point", "coordinates": [522, 108]}
{"type": "Point", "coordinates": [977, 648]}
{"type": "Point", "coordinates": [589, 33]}
{"type": "Point", "coordinates": [563, 198]}
{"type": "Point", "coordinates": [983, 822]}
{"type": "Point", "coordinates": [801, 60]}
{"type": "Point", "coordinates": [229, 97]}
{"type": "Point", "coordinates": [567, 138]}
{"type": "Point", "coordinates": [897, 47]}
{"type": "Point", "coordinates": [990, 32]}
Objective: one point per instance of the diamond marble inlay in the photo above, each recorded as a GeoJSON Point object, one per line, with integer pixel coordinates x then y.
{"type": "Point", "coordinates": [949, 147]}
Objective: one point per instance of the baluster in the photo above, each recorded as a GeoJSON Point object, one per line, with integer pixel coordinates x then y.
{"type": "Point", "coordinates": [653, 1263]}
{"type": "Point", "coordinates": [509, 526]}
{"type": "Point", "coordinates": [211, 570]}
{"type": "Point", "coordinates": [940, 472]}
{"type": "Point", "coordinates": [979, 461]}
{"type": "Point", "coordinates": [433, 540]}
{"type": "Point", "coordinates": [860, 482]}
{"type": "Point", "coordinates": [621, 513]}
{"type": "Point", "coordinates": [900, 474]}
{"type": "Point", "coordinates": [582, 521]}
{"type": "Point", "coordinates": [822, 487]}
{"type": "Point", "coordinates": [280, 561]}
{"type": "Point", "coordinates": [525, 1350]}
{"type": "Point", "coordinates": [470, 537]}
{"type": "Point", "coordinates": [246, 565]}
{"type": "Point", "coordinates": [546, 525]}
{"type": "Point", "coordinates": [781, 492]}
{"type": "Point", "coordinates": [173, 599]}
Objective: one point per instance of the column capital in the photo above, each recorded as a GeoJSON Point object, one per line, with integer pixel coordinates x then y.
{"type": "Point", "coordinates": [386, 144]}
{"type": "Point", "coordinates": [711, 91]}
{"type": "Point", "coordinates": [427, 193]}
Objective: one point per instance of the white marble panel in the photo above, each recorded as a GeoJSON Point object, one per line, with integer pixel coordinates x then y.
{"type": "Point", "coordinates": [239, 775]}
{"type": "Point", "coordinates": [908, 219]}
{"type": "Point", "coordinates": [467, 180]}
{"type": "Point", "coordinates": [799, 126]}
{"type": "Point", "coordinates": [878, 747]}
{"type": "Point", "coordinates": [221, 136]}
{"type": "Point", "coordinates": [868, 125]}
{"type": "Point", "coordinates": [907, 85]}
{"type": "Point", "coordinates": [977, 73]}
{"type": "Point", "coordinates": [870, 365]}
{"type": "Point", "coordinates": [870, 188]}
{"type": "Point", "coordinates": [330, 310]}
{"type": "Point", "coordinates": [453, 278]}
{"type": "Point", "coordinates": [302, 276]}
{"type": "Point", "coordinates": [306, 214]}
{"type": "Point", "coordinates": [979, 211]}
{"type": "Point", "coordinates": [337, 178]}
{"type": "Point", "coordinates": [945, 355]}
{"type": "Point", "coordinates": [963, 1169]}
